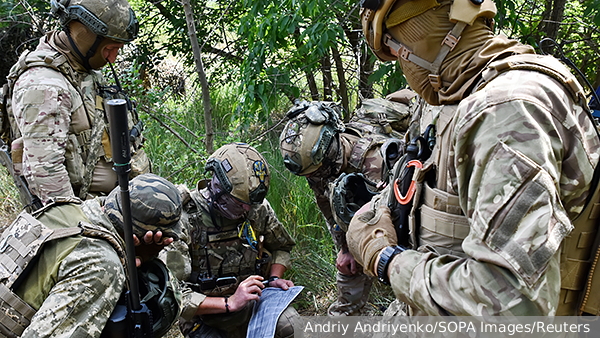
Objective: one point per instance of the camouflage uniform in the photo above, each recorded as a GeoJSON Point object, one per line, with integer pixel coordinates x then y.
{"type": "Point", "coordinates": [77, 281]}
{"type": "Point", "coordinates": [228, 255]}
{"type": "Point", "coordinates": [353, 290]}
{"type": "Point", "coordinates": [519, 161]}
{"type": "Point", "coordinates": [59, 117]}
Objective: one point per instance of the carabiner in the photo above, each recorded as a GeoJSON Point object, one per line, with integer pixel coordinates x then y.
{"type": "Point", "coordinates": [404, 200]}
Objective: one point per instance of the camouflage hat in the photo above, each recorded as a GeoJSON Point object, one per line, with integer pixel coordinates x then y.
{"type": "Point", "coordinates": [155, 205]}
{"type": "Point", "coordinates": [305, 139]}
{"type": "Point", "coordinates": [113, 19]}
{"type": "Point", "coordinates": [241, 171]}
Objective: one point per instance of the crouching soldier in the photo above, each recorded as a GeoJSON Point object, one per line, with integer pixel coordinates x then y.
{"type": "Point", "coordinates": [316, 144]}
{"type": "Point", "coordinates": [76, 257]}
{"type": "Point", "coordinates": [232, 245]}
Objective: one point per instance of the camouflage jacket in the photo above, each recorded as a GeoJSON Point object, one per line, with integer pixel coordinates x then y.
{"type": "Point", "coordinates": [220, 246]}
{"type": "Point", "coordinates": [76, 282]}
{"type": "Point", "coordinates": [372, 167]}
{"type": "Point", "coordinates": [521, 156]}
{"type": "Point", "coordinates": [59, 123]}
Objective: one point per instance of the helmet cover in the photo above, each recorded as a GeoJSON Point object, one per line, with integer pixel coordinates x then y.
{"type": "Point", "coordinates": [113, 19]}
{"type": "Point", "coordinates": [241, 171]}
{"type": "Point", "coordinates": [305, 139]}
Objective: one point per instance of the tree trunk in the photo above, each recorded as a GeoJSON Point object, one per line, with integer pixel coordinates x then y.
{"type": "Point", "coordinates": [343, 87]}
{"type": "Point", "coordinates": [327, 80]}
{"type": "Point", "coordinates": [312, 85]}
{"type": "Point", "coordinates": [189, 18]}
{"type": "Point", "coordinates": [366, 69]}
{"type": "Point", "coordinates": [552, 17]}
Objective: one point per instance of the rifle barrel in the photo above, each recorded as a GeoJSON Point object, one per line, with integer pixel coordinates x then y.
{"type": "Point", "coordinates": [119, 136]}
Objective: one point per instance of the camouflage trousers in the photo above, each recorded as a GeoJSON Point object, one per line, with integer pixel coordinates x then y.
{"type": "Point", "coordinates": [88, 284]}
{"type": "Point", "coordinates": [353, 294]}
{"type": "Point", "coordinates": [235, 325]}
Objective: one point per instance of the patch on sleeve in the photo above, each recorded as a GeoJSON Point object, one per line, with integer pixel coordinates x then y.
{"type": "Point", "coordinates": [33, 97]}
{"type": "Point", "coordinates": [528, 222]}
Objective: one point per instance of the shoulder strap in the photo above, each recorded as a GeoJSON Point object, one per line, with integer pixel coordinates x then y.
{"type": "Point", "coordinates": [540, 63]}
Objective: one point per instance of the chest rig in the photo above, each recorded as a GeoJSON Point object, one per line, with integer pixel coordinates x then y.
{"type": "Point", "coordinates": [223, 254]}
{"type": "Point", "coordinates": [88, 135]}
{"type": "Point", "coordinates": [436, 219]}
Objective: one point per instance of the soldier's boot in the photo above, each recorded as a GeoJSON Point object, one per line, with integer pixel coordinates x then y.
{"type": "Point", "coordinates": [353, 294]}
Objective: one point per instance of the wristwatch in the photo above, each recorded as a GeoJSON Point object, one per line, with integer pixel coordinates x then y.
{"type": "Point", "coordinates": [384, 261]}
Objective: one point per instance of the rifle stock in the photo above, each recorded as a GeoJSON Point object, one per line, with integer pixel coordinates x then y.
{"type": "Point", "coordinates": [29, 201]}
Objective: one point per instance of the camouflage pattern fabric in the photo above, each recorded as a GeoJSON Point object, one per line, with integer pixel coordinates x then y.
{"type": "Point", "coordinates": [353, 289]}
{"type": "Point", "coordinates": [76, 282]}
{"type": "Point", "coordinates": [55, 115]}
{"type": "Point", "coordinates": [43, 110]}
{"type": "Point", "coordinates": [319, 182]}
{"type": "Point", "coordinates": [285, 325]}
{"type": "Point", "coordinates": [155, 206]}
{"type": "Point", "coordinates": [195, 222]}
{"type": "Point", "coordinates": [352, 294]}
{"type": "Point", "coordinates": [521, 159]}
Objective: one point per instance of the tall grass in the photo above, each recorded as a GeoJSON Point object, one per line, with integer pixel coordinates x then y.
{"type": "Point", "coordinates": [10, 204]}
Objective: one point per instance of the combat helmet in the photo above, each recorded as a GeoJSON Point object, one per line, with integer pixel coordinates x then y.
{"type": "Point", "coordinates": [155, 206]}
{"type": "Point", "coordinates": [348, 193]}
{"type": "Point", "coordinates": [159, 291]}
{"type": "Point", "coordinates": [112, 19]}
{"type": "Point", "coordinates": [160, 295]}
{"type": "Point", "coordinates": [241, 171]}
{"type": "Point", "coordinates": [306, 138]}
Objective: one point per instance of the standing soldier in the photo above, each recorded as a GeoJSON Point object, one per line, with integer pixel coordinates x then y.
{"type": "Point", "coordinates": [59, 132]}
{"type": "Point", "coordinates": [232, 245]}
{"type": "Point", "coordinates": [316, 144]}
{"type": "Point", "coordinates": [502, 207]}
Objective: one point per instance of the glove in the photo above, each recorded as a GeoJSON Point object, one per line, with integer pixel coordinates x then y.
{"type": "Point", "coordinates": [368, 234]}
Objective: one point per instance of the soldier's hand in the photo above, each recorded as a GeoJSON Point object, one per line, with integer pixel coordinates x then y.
{"type": "Point", "coordinates": [149, 246]}
{"type": "Point", "coordinates": [369, 233]}
{"type": "Point", "coordinates": [250, 289]}
{"type": "Point", "coordinates": [345, 262]}
{"type": "Point", "coordinates": [283, 284]}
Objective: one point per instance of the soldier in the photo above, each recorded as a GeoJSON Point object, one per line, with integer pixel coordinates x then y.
{"type": "Point", "coordinates": [77, 279]}
{"type": "Point", "coordinates": [501, 212]}
{"type": "Point", "coordinates": [59, 130]}
{"type": "Point", "coordinates": [317, 145]}
{"type": "Point", "coordinates": [232, 243]}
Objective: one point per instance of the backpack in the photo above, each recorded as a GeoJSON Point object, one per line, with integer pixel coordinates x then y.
{"type": "Point", "coordinates": [381, 116]}
{"type": "Point", "coordinates": [20, 243]}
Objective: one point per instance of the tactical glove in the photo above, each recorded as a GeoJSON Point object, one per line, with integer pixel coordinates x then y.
{"type": "Point", "coordinates": [368, 234]}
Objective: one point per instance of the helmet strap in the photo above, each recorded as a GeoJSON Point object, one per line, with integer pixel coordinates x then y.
{"type": "Point", "coordinates": [211, 205]}
{"type": "Point", "coordinates": [85, 59]}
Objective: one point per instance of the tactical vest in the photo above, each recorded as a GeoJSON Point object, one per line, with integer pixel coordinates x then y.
{"type": "Point", "coordinates": [219, 253]}
{"type": "Point", "coordinates": [437, 220]}
{"type": "Point", "coordinates": [88, 135]}
{"type": "Point", "coordinates": [20, 243]}
{"type": "Point", "coordinates": [381, 116]}
{"type": "Point", "coordinates": [374, 123]}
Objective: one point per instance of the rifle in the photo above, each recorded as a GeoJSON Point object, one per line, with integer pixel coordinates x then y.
{"type": "Point", "coordinates": [138, 318]}
{"type": "Point", "coordinates": [30, 202]}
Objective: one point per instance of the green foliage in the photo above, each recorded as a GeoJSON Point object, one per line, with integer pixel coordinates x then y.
{"type": "Point", "coordinates": [17, 32]}
{"type": "Point", "coordinates": [10, 204]}
{"type": "Point", "coordinates": [390, 76]}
